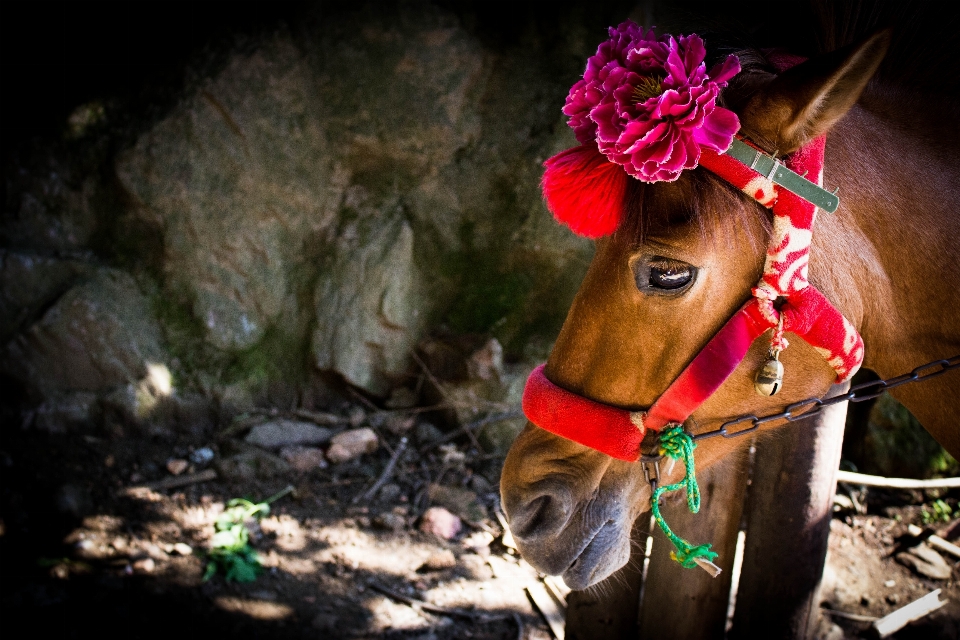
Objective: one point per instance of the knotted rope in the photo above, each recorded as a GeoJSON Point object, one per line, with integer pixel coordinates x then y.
{"type": "Point", "coordinates": [676, 443]}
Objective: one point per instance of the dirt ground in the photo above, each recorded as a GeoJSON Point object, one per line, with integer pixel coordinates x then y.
{"type": "Point", "coordinates": [84, 553]}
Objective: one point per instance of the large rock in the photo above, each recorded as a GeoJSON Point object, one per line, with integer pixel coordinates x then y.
{"type": "Point", "coordinates": [98, 335]}
{"type": "Point", "coordinates": [320, 199]}
{"type": "Point", "coordinates": [28, 283]}
{"type": "Point", "coordinates": [368, 316]}
{"type": "Point", "coordinates": [239, 180]}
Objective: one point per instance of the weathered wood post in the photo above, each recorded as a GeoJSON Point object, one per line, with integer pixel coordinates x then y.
{"type": "Point", "coordinates": [609, 609]}
{"type": "Point", "coordinates": [677, 602]}
{"type": "Point", "coordinates": [788, 526]}
{"type": "Point", "coordinates": [689, 604]}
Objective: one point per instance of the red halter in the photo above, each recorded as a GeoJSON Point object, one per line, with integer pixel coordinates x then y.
{"type": "Point", "coordinates": [803, 311]}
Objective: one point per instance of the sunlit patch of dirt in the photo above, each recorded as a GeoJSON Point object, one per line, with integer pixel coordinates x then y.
{"type": "Point", "coordinates": [130, 562]}
{"type": "Point", "coordinates": [863, 577]}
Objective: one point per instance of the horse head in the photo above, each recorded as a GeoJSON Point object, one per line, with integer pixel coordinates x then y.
{"type": "Point", "coordinates": [681, 262]}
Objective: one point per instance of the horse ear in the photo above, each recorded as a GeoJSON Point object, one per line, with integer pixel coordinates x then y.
{"type": "Point", "coordinates": [806, 100]}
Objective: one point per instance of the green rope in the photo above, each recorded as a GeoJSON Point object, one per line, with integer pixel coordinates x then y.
{"type": "Point", "coordinates": [676, 444]}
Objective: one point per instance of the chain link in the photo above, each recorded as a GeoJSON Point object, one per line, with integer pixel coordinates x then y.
{"type": "Point", "coordinates": [858, 393]}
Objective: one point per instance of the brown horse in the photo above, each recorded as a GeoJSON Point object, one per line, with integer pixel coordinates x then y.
{"type": "Point", "coordinates": [888, 259]}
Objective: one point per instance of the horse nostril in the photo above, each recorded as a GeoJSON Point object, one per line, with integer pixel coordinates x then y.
{"type": "Point", "coordinates": [543, 515]}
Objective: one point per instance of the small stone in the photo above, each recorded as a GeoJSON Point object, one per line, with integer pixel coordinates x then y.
{"type": "Point", "coordinates": [475, 567]}
{"type": "Point", "coordinates": [398, 424]}
{"type": "Point", "coordinates": [893, 598]}
{"type": "Point", "coordinates": [109, 461]}
{"type": "Point", "coordinates": [426, 433]}
{"type": "Point", "coordinates": [478, 542]}
{"type": "Point", "coordinates": [176, 466]}
{"type": "Point", "coordinates": [401, 398]}
{"type": "Point", "coordinates": [390, 522]}
{"type": "Point", "coordinates": [439, 561]}
{"type": "Point", "coordinates": [182, 549]}
{"type": "Point", "coordinates": [144, 565]}
{"type": "Point", "coordinates": [462, 502]}
{"type": "Point", "coordinates": [252, 464]}
{"type": "Point", "coordinates": [85, 547]}
{"type": "Point", "coordinates": [890, 583]}
{"type": "Point", "coordinates": [202, 456]}
{"type": "Point", "coordinates": [304, 459]}
{"type": "Point", "coordinates": [926, 562]}
{"type": "Point", "coordinates": [357, 417]}
{"type": "Point", "coordinates": [352, 444]}
{"type": "Point", "coordinates": [487, 362]}
{"type": "Point", "coordinates": [282, 433]}
{"type": "Point", "coordinates": [60, 571]}
{"type": "Point", "coordinates": [441, 523]}
{"type": "Point", "coordinates": [74, 500]}
{"type": "Point", "coordinates": [842, 503]}
{"type": "Point", "coordinates": [833, 632]}
{"type": "Point", "coordinates": [389, 492]}
{"type": "Point", "coordinates": [325, 622]}
{"type": "Point", "coordinates": [480, 484]}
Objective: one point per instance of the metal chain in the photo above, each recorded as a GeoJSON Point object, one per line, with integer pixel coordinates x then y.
{"type": "Point", "coordinates": [858, 393]}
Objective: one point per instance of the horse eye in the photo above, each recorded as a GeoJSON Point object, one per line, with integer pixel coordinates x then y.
{"type": "Point", "coordinates": [670, 276]}
{"type": "Point", "coordinates": [663, 275]}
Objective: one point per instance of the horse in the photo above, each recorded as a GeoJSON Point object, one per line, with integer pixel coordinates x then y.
{"type": "Point", "coordinates": [888, 259]}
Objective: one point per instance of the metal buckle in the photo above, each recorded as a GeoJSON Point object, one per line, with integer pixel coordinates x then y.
{"type": "Point", "coordinates": [773, 169]}
{"type": "Point", "coordinates": [651, 469]}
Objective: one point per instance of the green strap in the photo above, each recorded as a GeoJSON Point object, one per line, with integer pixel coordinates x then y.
{"type": "Point", "coordinates": [676, 444]}
{"type": "Point", "coordinates": [772, 170]}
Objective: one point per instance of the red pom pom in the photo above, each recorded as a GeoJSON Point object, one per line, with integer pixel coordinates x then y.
{"type": "Point", "coordinates": [585, 191]}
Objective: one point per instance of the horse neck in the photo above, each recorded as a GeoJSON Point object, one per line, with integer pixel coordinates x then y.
{"type": "Point", "coordinates": [889, 257]}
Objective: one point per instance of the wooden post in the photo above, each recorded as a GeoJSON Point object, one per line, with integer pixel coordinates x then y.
{"type": "Point", "coordinates": [788, 524]}
{"type": "Point", "coordinates": [688, 604]}
{"type": "Point", "coordinates": [609, 610]}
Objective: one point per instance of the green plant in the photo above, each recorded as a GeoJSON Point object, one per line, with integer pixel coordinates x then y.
{"type": "Point", "coordinates": [941, 512]}
{"type": "Point", "coordinates": [230, 551]}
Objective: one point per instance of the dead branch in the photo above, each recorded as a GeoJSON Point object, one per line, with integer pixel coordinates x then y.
{"type": "Point", "coordinates": [934, 540]}
{"type": "Point", "coordinates": [890, 624]}
{"type": "Point", "coordinates": [896, 483]}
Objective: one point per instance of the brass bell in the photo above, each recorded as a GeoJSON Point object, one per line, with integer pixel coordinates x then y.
{"type": "Point", "coordinates": [769, 378]}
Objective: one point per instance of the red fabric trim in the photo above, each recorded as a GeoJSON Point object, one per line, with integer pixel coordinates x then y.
{"type": "Point", "coordinates": [709, 369]}
{"type": "Point", "coordinates": [592, 424]}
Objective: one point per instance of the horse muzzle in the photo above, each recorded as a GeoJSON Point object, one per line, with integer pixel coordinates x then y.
{"type": "Point", "coordinates": [570, 508]}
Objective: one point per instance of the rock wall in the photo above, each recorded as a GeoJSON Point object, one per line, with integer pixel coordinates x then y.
{"type": "Point", "coordinates": [321, 201]}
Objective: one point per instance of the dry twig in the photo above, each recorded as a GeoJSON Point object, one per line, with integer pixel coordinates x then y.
{"type": "Point", "coordinates": [432, 608]}
{"type": "Point", "coordinates": [174, 482]}
{"type": "Point", "coordinates": [387, 472]}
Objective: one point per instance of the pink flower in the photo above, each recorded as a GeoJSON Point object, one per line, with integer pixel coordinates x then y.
{"type": "Point", "coordinates": [650, 104]}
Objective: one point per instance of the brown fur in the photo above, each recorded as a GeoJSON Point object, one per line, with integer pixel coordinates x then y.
{"type": "Point", "coordinates": [888, 259]}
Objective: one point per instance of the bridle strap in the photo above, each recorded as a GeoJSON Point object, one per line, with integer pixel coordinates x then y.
{"type": "Point", "coordinates": [709, 369]}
